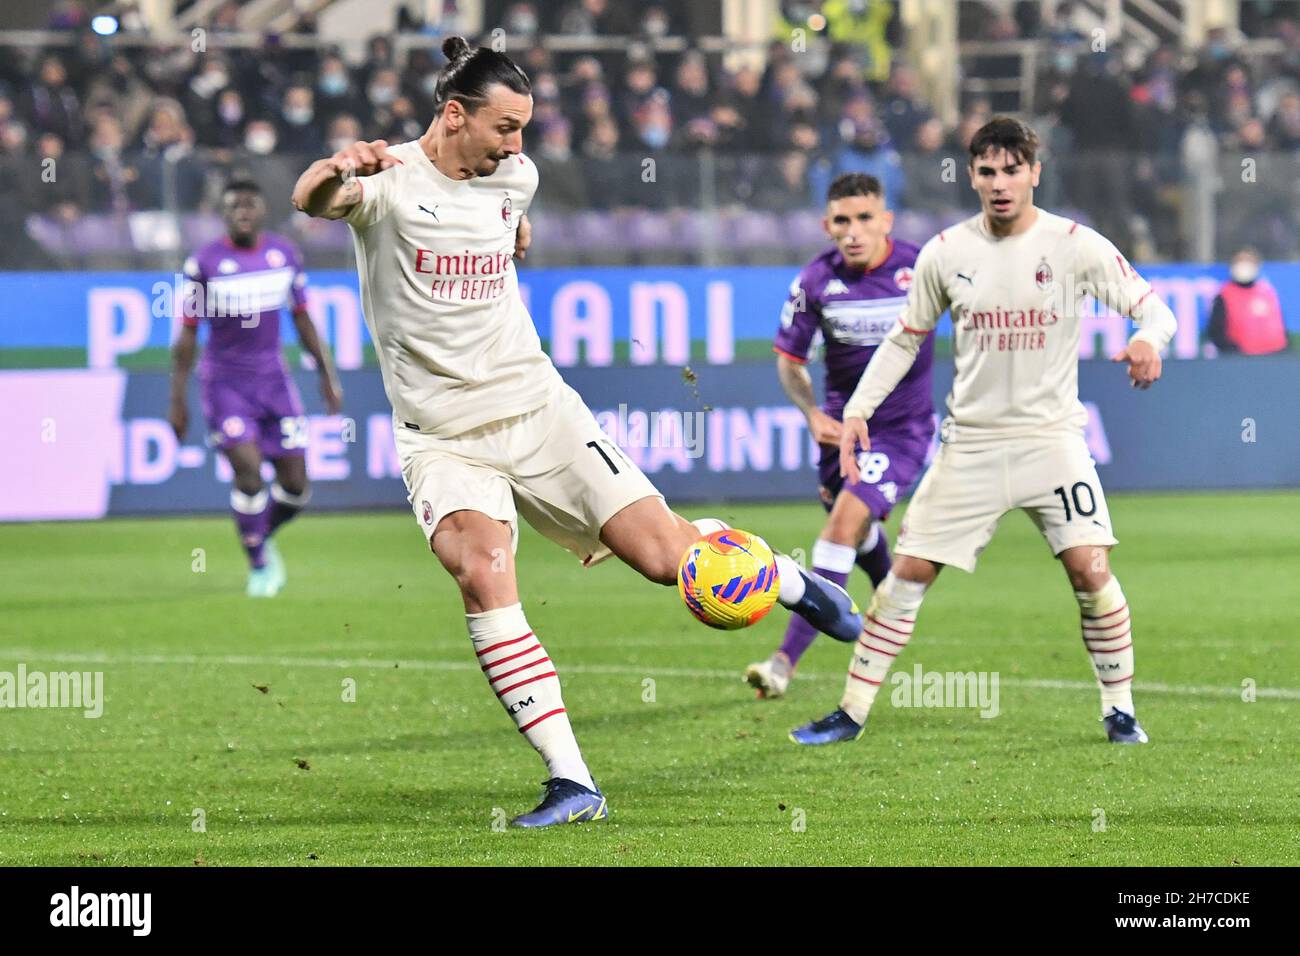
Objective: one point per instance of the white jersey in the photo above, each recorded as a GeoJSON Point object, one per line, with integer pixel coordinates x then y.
{"type": "Point", "coordinates": [1014, 303]}
{"type": "Point", "coordinates": [455, 344]}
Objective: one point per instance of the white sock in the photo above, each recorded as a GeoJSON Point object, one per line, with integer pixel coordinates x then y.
{"type": "Point", "coordinates": [1108, 636]}
{"type": "Point", "coordinates": [829, 556]}
{"type": "Point", "coordinates": [521, 674]}
{"type": "Point", "coordinates": [886, 630]}
{"type": "Point", "coordinates": [791, 581]}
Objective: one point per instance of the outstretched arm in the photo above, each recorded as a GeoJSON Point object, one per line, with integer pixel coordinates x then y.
{"type": "Point", "coordinates": [329, 188]}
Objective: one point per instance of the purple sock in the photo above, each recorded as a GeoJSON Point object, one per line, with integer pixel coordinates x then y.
{"type": "Point", "coordinates": [284, 506]}
{"type": "Point", "coordinates": [251, 517]}
{"type": "Point", "coordinates": [799, 634]}
{"type": "Point", "coordinates": [875, 560]}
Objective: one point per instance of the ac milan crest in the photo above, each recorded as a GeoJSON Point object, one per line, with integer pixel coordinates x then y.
{"type": "Point", "coordinates": [505, 211]}
{"type": "Point", "coordinates": [426, 512]}
{"type": "Point", "coordinates": [1043, 275]}
{"type": "Point", "coordinates": [903, 278]}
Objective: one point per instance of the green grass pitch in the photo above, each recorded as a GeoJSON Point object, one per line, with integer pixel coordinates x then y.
{"type": "Point", "coordinates": [418, 768]}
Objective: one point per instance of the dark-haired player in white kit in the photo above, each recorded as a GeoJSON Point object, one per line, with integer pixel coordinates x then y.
{"type": "Point", "coordinates": [1013, 278]}
{"type": "Point", "coordinates": [485, 427]}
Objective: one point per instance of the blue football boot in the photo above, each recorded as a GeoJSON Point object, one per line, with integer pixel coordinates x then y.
{"type": "Point", "coordinates": [1123, 728]}
{"type": "Point", "coordinates": [829, 608]}
{"type": "Point", "coordinates": [830, 729]}
{"type": "Point", "coordinates": [564, 802]}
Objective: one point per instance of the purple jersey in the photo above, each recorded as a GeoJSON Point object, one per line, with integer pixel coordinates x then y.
{"type": "Point", "coordinates": [240, 293]}
{"type": "Point", "coordinates": [854, 309]}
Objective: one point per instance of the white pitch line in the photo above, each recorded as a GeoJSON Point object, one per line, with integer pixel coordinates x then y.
{"type": "Point", "coordinates": [241, 660]}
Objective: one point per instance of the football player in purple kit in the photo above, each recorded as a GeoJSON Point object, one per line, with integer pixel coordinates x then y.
{"type": "Point", "coordinates": [239, 284]}
{"type": "Point", "coordinates": [852, 293]}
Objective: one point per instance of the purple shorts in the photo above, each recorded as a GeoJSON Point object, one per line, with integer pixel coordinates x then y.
{"type": "Point", "coordinates": [261, 407]}
{"type": "Point", "coordinates": [897, 457]}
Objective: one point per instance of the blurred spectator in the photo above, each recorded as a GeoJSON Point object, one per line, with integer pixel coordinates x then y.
{"type": "Point", "coordinates": [228, 129]}
{"type": "Point", "coordinates": [335, 92]}
{"type": "Point", "coordinates": [785, 188]}
{"type": "Point", "coordinates": [609, 176]}
{"type": "Point", "coordinates": [935, 178]}
{"type": "Point", "coordinates": [112, 177]}
{"type": "Point", "coordinates": [902, 108]}
{"type": "Point", "coordinates": [735, 114]}
{"type": "Point", "coordinates": [865, 148]}
{"type": "Point", "coordinates": [120, 91]}
{"type": "Point", "coordinates": [59, 185]}
{"type": "Point", "coordinates": [639, 83]}
{"type": "Point", "coordinates": [566, 187]}
{"type": "Point", "coordinates": [50, 104]}
{"type": "Point", "coordinates": [298, 132]}
{"type": "Point", "coordinates": [403, 124]}
{"type": "Point", "coordinates": [586, 18]}
{"type": "Point", "coordinates": [260, 137]}
{"type": "Point", "coordinates": [343, 131]}
{"type": "Point", "coordinates": [692, 99]}
{"type": "Point", "coordinates": [1246, 316]}
{"type": "Point", "coordinates": [201, 99]}
{"type": "Point", "coordinates": [521, 20]}
{"type": "Point", "coordinates": [1284, 127]}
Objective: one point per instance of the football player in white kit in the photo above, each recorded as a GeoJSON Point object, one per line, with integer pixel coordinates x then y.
{"type": "Point", "coordinates": [1013, 278]}
{"type": "Point", "coordinates": [485, 427]}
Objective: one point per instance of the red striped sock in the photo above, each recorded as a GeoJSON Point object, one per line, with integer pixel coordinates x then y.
{"type": "Point", "coordinates": [1108, 636]}
{"type": "Point", "coordinates": [522, 675]}
{"type": "Point", "coordinates": [886, 629]}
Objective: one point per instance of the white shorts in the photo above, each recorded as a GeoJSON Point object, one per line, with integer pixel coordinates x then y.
{"type": "Point", "coordinates": [552, 465]}
{"type": "Point", "coordinates": [969, 488]}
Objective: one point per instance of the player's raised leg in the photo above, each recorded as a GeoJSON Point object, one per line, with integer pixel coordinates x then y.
{"type": "Point", "coordinates": [1108, 637]}
{"type": "Point", "coordinates": [476, 550]}
{"type": "Point", "coordinates": [890, 618]}
{"type": "Point", "coordinates": [651, 538]}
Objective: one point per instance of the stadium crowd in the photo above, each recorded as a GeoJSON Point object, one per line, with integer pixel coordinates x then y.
{"type": "Point", "coordinates": [151, 126]}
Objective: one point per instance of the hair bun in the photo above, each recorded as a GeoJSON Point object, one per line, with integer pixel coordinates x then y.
{"type": "Point", "coordinates": [453, 48]}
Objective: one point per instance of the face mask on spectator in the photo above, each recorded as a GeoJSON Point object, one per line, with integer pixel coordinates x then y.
{"type": "Point", "coordinates": [1065, 61]}
{"type": "Point", "coordinates": [205, 84]}
{"type": "Point", "coordinates": [260, 142]}
{"type": "Point", "coordinates": [1245, 271]}
{"type": "Point", "coordinates": [522, 22]}
{"type": "Point", "coordinates": [655, 135]}
{"type": "Point", "coordinates": [298, 115]}
{"type": "Point", "coordinates": [429, 84]}
{"type": "Point", "coordinates": [333, 84]}
{"type": "Point", "coordinates": [656, 26]}
{"type": "Point", "coordinates": [339, 143]}
{"type": "Point", "coordinates": [231, 113]}
{"type": "Point", "coordinates": [382, 94]}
